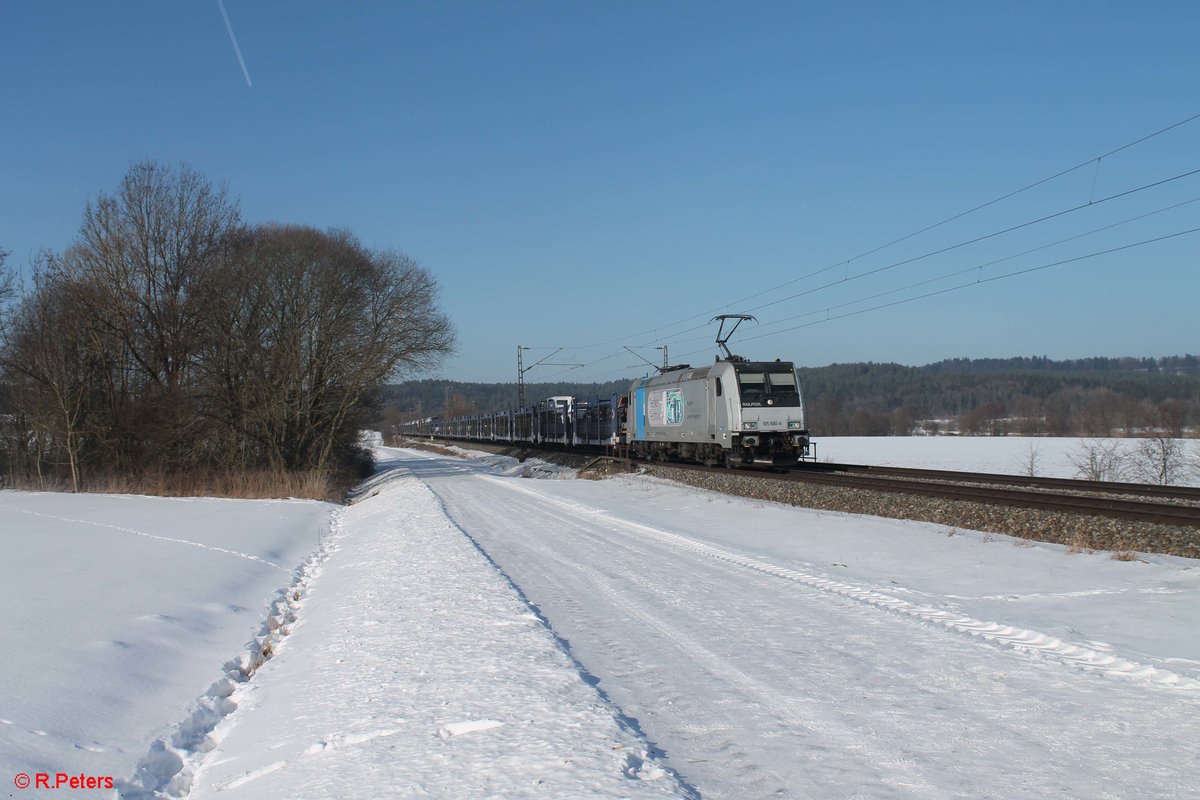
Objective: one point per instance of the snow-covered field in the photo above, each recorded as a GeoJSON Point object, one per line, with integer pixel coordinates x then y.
{"type": "Point", "coordinates": [118, 612]}
{"type": "Point", "coordinates": [1051, 457]}
{"type": "Point", "coordinates": [465, 631]}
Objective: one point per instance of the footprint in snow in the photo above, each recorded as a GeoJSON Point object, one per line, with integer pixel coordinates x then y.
{"type": "Point", "coordinates": [638, 766]}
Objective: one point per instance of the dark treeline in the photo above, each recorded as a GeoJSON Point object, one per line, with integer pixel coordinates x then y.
{"type": "Point", "coordinates": [1029, 396]}
{"type": "Point", "coordinates": [170, 337]}
{"type": "Point", "coordinates": [1169, 365]}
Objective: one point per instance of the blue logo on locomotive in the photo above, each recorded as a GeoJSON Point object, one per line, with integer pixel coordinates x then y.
{"type": "Point", "coordinates": [674, 406]}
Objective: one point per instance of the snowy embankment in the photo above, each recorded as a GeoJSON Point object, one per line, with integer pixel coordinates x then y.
{"type": "Point", "coordinates": [118, 612]}
{"type": "Point", "coordinates": [416, 669]}
{"type": "Point", "coordinates": [1050, 457]}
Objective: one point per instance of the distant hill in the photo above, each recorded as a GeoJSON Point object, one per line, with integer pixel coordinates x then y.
{"type": "Point", "coordinates": [1025, 395]}
{"type": "Point", "coordinates": [1031, 396]}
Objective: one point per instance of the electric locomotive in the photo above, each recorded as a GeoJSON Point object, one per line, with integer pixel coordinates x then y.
{"type": "Point", "coordinates": [733, 412]}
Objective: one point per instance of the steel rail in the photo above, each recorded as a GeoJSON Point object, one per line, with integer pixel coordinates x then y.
{"type": "Point", "coordinates": [1000, 479]}
{"type": "Point", "coordinates": [1166, 513]}
{"type": "Point", "coordinates": [1140, 510]}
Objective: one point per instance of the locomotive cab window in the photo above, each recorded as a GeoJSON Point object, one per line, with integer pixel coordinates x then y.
{"type": "Point", "coordinates": [768, 385]}
{"type": "Point", "coordinates": [753, 387]}
{"type": "Point", "coordinates": [783, 388]}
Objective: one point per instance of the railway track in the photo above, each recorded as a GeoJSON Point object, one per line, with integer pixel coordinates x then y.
{"type": "Point", "coordinates": [1186, 493]}
{"type": "Point", "coordinates": [1166, 505]}
{"type": "Point", "coordinates": [1137, 502]}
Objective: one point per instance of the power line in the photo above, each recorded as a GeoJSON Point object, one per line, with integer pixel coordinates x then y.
{"type": "Point", "coordinates": [1154, 184]}
{"type": "Point", "coordinates": [981, 267]}
{"type": "Point", "coordinates": [980, 207]}
{"type": "Point", "coordinates": [906, 237]}
{"type": "Point", "coordinates": [978, 239]}
{"type": "Point", "coordinates": [958, 287]}
{"type": "Point", "coordinates": [979, 281]}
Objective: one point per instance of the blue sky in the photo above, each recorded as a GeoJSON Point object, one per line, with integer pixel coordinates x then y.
{"type": "Point", "coordinates": [599, 175]}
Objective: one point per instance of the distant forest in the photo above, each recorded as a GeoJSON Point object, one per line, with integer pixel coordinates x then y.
{"type": "Point", "coordinates": [1027, 396]}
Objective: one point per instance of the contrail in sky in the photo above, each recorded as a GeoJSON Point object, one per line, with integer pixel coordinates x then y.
{"type": "Point", "coordinates": [233, 39]}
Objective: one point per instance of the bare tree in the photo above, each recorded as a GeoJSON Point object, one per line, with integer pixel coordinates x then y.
{"type": "Point", "coordinates": [1099, 460]}
{"type": "Point", "coordinates": [1029, 416]}
{"type": "Point", "coordinates": [169, 336]}
{"type": "Point", "coordinates": [47, 363]}
{"type": "Point", "coordinates": [12, 442]}
{"type": "Point", "coordinates": [1031, 458]}
{"type": "Point", "coordinates": [6, 285]}
{"type": "Point", "coordinates": [1099, 413]}
{"type": "Point", "coordinates": [136, 268]}
{"type": "Point", "coordinates": [1170, 418]}
{"type": "Point", "coordinates": [317, 323]}
{"type": "Point", "coordinates": [1057, 410]}
{"type": "Point", "coordinates": [904, 420]}
{"type": "Point", "coordinates": [1130, 411]}
{"type": "Point", "coordinates": [1159, 459]}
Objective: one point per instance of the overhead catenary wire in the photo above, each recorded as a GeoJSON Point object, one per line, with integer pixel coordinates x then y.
{"type": "Point", "coordinates": [940, 251]}
{"type": "Point", "coordinates": [973, 268]}
{"type": "Point", "coordinates": [978, 281]}
{"type": "Point", "coordinates": [844, 263]}
{"type": "Point", "coordinates": [673, 338]}
{"type": "Point", "coordinates": [981, 206]}
{"type": "Point", "coordinates": [982, 238]}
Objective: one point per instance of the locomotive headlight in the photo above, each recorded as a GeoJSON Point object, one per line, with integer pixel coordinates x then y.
{"type": "Point", "coordinates": [749, 426]}
{"type": "Point", "coordinates": [793, 425]}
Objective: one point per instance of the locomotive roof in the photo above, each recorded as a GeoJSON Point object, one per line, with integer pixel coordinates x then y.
{"type": "Point", "coordinates": [691, 374]}
{"type": "Point", "coordinates": [762, 366]}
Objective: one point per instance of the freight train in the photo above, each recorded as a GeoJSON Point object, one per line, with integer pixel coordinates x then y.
{"type": "Point", "coordinates": [735, 412]}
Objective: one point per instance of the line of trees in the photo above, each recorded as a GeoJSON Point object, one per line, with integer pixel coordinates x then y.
{"type": "Point", "coordinates": [1024, 396]}
{"type": "Point", "coordinates": [172, 336]}
{"type": "Point", "coordinates": [1031, 397]}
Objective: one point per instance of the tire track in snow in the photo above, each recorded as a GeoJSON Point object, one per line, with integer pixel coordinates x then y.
{"type": "Point", "coordinates": [823, 732]}
{"type": "Point", "coordinates": [1021, 639]}
{"type": "Point", "coordinates": [765, 696]}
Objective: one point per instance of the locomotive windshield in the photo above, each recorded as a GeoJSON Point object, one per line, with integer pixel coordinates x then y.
{"type": "Point", "coordinates": [771, 384]}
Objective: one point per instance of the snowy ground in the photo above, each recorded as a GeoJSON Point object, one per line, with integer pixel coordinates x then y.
{"type": "Point", "coordinates": [773, 651]}
{"type": "Point", "coordinates": [417, 670]}
{"type": "Point", "coordinates": [118, 612]}
{"type": "Point", "coordinates": [463, 631]}
{"type": "Point", "coordinates": [1052, 457]}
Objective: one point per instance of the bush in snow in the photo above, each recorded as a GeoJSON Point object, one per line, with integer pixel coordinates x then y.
{"type": "Point", "coordinates": [1099, 460]}
{"type": "Point", "coordinates": [1158, 459]}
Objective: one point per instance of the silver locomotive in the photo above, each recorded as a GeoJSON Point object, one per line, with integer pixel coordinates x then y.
{"type": "Point", "coordinates": [733, 412]}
